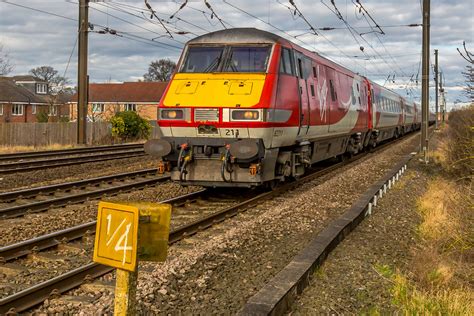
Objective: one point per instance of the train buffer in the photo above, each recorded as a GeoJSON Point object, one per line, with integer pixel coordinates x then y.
{"type": "Point", "coordinates": [125, 234]}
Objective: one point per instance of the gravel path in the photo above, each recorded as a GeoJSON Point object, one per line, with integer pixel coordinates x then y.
{"type": "Point", "coordinates": [49, 176]}
{"type": "Point", "coordinates": [348, 282]}
{"type": "Point", "coordinates": [36, 224]}
{"type": "Point", "coordinates": [216, 271]}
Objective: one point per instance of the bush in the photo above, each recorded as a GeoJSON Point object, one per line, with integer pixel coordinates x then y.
{"type": "Point", "coordinates": [460, 151]}
{"type": "Point", "coordinates": [42, 116]}
{"type": "Point", "coordinates": [130, 125]}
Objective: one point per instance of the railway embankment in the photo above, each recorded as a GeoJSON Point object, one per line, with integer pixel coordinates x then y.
{"type": "Point", "coordinates": [415, 253]}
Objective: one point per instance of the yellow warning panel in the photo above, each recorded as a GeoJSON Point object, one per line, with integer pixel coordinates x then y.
{"type": "Point", "coordinates": [117, 235]}
{"type": "Point", "coordinates": [154, 231]}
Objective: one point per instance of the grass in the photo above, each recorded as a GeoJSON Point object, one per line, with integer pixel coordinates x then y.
{"type": "Point", "coordinates": [435, 302]}
{"type": "Point", "coordinates": [442, 265]}
{"type": "Point", "coordinates": [440, 276]}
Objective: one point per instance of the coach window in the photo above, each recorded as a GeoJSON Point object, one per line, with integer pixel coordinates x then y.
{"type": "Point", "coordinates": [312, 90]}
{"type": "Point", "coordinates": [286, 66]}
{"type": "Point", "coordinates": [315, 75]}
{"type": "Point", "coordinates": [333, 92]}
{"type": "Point", "coordinates": [1, 109]}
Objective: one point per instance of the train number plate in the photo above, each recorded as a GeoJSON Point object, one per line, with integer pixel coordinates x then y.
{"type": "Point", "coordinates": [232, 132]}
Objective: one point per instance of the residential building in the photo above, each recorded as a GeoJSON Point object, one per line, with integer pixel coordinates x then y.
{"type": "Point", "coordinates": [25, 99]}
{"type": "Point", "coordinates": [106, 99]}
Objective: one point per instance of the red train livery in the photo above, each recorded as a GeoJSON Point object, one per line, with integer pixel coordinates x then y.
{"type": "Point", "coordinates": [246, 107]}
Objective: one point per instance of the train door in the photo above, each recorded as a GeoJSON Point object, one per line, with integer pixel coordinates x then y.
{"type": "Point", "coordinates": [362, 111]}
{"type": "Point", "coordinates": [321, 113]}
{"type": "Point", "coordinates": [304, 96]}
{"type": "Point", "coordinates": [371, 107]}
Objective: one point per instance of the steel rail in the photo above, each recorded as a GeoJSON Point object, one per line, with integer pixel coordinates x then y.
{"type": "Point", "coordinates": [19, 301]}
{"type": "Point", "coordinates": [48, 189]}
{"type": "Point", "coordinates": [44, 242]}
{"type": "Point", "coordinates": [66, 161]}
{"type": "Point", "coordinates": [70, 151]}
{"type": "Point", "coordinates": [20, 210]}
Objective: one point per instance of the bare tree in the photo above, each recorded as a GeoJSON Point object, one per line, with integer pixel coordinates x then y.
{"type": "Point", "coordinates": [469, 73]}
{"type": "Point", "coordinates": [160, 70]}
{"type": "Point", "coordinates": [5, 64]}
{"type": "Point", "coordinates": [55, 82]}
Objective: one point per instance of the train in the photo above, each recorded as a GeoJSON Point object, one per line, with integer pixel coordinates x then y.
{"type": "Point", "coordinates": [247, 108]}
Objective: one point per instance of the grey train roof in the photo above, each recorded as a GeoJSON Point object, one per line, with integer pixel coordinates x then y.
{"type": "Point", "coordinates": [238, 35]}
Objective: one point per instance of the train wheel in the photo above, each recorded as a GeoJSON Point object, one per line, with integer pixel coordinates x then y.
{"type": "Point", "coordinates": [272, 184]}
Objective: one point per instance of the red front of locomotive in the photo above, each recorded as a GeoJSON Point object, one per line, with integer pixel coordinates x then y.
{"type": "Point", "coordinates": [218, 110]}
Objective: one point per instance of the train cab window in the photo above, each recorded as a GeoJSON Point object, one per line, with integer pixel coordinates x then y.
{"type": "Point", "coordinates": [303, 65]}
{"type": "Point", "coordinates": [248, 59]}
{"type": "Point", "coordinates": [202, 59]}
{"type": "Point", "coordinates": [286, 66]}
{"type": "Point", "coordinates": [312, 90]}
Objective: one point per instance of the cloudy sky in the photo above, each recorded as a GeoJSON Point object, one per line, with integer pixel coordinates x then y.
{"type": "Point", "coordinates": [44, 32]}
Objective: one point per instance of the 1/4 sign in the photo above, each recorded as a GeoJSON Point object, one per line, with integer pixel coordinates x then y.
{"type": "Point", "coordinates": [117, 235]}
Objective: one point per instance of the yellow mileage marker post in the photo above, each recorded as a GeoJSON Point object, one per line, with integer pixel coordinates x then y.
{"type": "Point", "coordinates": [125, 233]}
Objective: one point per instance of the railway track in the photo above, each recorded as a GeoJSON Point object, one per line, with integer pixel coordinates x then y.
{"type": "Point", "coordinates": [193, 221]}
{"type": "Point", "coordinates": [69, 151]}
{"type": "Point", "coordinates": [191, 213]}
{"type": "Point", "coordinates": [21, 202]}
{"type": "Point", "coordinates": [22, 162]}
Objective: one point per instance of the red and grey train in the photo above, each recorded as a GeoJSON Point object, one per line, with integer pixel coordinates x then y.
{"type": "Point", "coordinates": [246, 107]}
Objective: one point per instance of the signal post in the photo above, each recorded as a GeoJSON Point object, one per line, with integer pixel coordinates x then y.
{"type": "Point", "coordinates": [425, 81]}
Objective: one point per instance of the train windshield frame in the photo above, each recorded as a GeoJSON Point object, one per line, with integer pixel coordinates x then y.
{"type": "Point", "coordinates": [226, 59]}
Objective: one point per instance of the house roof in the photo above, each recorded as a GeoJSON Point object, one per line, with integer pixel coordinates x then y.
{"type": "Point", "coordinates": [11, 92]}
{"type": "Point", "coordinates": [25, 78]}
{"type": "Point", "coordinates": [133, 92]}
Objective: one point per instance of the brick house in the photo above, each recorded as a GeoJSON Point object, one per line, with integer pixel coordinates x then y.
{"type": "Point", "coordinates": [23, 99]}
{"type": "Point", "coordinates": [106, 99]}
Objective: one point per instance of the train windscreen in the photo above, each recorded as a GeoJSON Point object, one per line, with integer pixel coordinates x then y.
{"type": "Point", "coordinates": [202, 59]}
{"type": "Point", "coordinates": [248, 59]}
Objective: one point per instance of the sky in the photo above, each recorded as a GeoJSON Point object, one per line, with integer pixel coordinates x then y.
{"type": "Point", "coordinates": [47, 35]}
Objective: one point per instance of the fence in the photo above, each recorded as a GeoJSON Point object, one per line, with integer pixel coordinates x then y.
{"type": "Point", "coordinates": [45, 134]}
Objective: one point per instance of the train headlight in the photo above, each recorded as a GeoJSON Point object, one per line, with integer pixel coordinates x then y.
{"type": "Point", "coordinates": [246, 115]}
{"type": "Point", "coordinates": [172, 114]}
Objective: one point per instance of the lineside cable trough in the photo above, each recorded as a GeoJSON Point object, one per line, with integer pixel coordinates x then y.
{"type": "Point", "coordinates": [276, 297]}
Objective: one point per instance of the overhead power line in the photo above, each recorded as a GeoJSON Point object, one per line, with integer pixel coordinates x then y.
{"type": "Point", "coordinates": [140, 10]}
{"type": "Point", "coordinates": [208, 5]}
{"type": "Point", "coordinates": [297, 11]}
{"type": "Point", "coordinates": [39, 10]}
{"type": "Point", "coordinates": [365, 12]}
{"type": "Point", "coordinates": [153, 14]}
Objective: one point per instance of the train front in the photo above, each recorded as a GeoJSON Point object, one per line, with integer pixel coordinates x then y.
{"type": "Point", "coordinates": [214, 114]}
